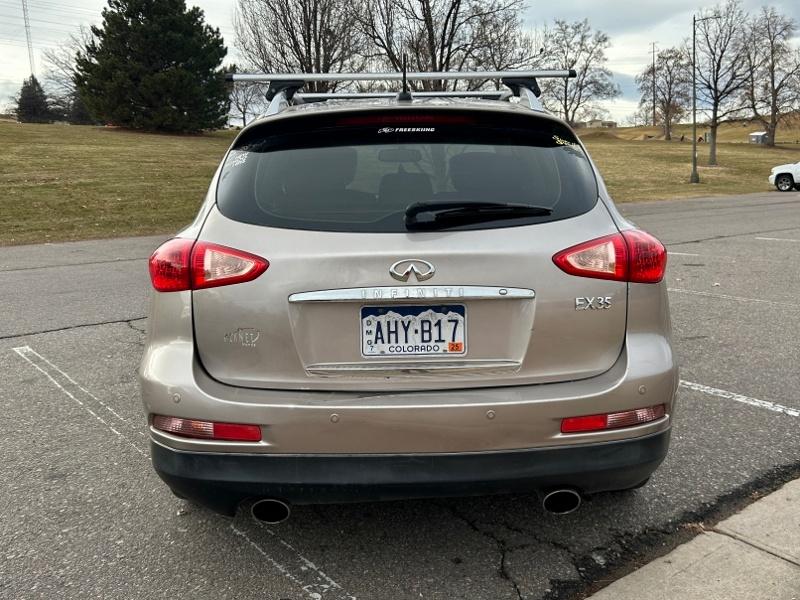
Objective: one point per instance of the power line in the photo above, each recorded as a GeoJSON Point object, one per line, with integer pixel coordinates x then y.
{"type": "Point", "coordinates": [34, 20]}
{"type": "Point", "coordinates": [23, 44]}
{"type": "Point", "coordinates": [37, 7]}
{"type": "Point", "coordinates": [44, 4]}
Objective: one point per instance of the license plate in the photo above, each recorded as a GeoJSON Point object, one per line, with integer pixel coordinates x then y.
{"type": "Point", "coordinates": [413, 330]}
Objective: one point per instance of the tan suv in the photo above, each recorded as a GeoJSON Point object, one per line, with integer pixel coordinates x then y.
{"type": "Point", "coordinates": [387, 298]}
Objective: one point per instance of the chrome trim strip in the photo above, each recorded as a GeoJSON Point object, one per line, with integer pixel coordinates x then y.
{"type": "Point", "coordinates": [415, 292]}
{"type": "Point", "coordinates": [379, 366]}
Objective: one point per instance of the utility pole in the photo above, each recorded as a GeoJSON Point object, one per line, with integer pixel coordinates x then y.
{"type": "Point", "coordinates": [28, 33]}
{"type": "Point", "coordinates": [653, 44]}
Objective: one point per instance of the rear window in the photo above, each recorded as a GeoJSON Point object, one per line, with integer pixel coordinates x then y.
{"type": "Point", "coordinates": [360, 172]}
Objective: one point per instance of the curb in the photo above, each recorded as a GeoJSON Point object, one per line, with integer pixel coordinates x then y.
{"type": "Point", "coordinates": [754, 554]}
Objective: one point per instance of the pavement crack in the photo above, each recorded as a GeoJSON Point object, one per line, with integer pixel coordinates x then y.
{"type": "Point", "coordinates": [732, 235]}
{"type": "Point", "coordinates": [502, 546]}
{"type": "Point", "coordinates": [540, 540]}
{"type": "Point", "coordinates": [131, 322]}
{"type": "Point", "coordinates": [754, 544]}
{"type": "Point", "coordinates": [69, 327]}
{"type": "Point", "coordinates": [79, 264]}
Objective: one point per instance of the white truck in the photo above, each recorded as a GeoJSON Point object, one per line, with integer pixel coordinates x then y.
{"type": "Point", "coordinates": [786, 177]}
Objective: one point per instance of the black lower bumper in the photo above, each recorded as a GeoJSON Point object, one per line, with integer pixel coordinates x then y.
{"type": "Point", "coordinates": [221, 481]}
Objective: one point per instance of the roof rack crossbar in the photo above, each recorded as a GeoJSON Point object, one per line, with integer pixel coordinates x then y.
{"type": "Point", "coordinates": [318, 97]}
{"type": "Point", "coordinates": [284, 86]}
{"type": "Point", "coordinates": [427, 76]}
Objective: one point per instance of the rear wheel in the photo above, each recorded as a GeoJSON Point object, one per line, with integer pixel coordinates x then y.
{"type": "Point", "coordinates": [784, 183]}
{"type": "Point", "coordinates": [641, 484]}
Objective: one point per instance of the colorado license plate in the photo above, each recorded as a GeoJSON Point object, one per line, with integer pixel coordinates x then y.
{"type": "Point", "coordinates": [413, 330]}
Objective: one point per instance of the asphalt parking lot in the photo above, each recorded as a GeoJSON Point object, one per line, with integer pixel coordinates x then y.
{"type": "Point", "coordinates": [84, 516]}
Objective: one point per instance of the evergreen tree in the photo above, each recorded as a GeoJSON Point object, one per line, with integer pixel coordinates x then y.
{"type": "Point", "coordinates": [154, 65]}
{"type": "Point", "coordinates": [32, 103]}
{"type": "Point", "coordinates": [78, 113]}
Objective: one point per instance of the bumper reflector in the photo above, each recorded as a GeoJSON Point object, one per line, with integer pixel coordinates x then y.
{"type": "Point", "coordinates": [614, 420]}
{"type": "Point", "coordinates": [207, 430]}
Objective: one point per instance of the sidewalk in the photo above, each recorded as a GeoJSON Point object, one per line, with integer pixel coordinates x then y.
{"type": "Point", "coordinates": [753, 555]}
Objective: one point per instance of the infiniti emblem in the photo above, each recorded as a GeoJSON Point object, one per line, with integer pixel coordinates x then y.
{"type": "Point", "coordinates": [402, 269]}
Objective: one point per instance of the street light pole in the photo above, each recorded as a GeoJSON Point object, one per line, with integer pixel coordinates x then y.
{"type": "Point", "coordinates": [695, 177]}
{"type": "Point", "coordinates": [653, 44]}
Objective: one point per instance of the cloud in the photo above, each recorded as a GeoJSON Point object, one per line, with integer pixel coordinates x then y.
{"type": "Point", "coordinates": [612, 17]}
{"type": "Point", "coordinates": [632, 26]}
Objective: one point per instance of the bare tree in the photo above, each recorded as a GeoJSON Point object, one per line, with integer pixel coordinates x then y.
{"type": "Point", "coordinates": [504, 46]}
{"type": "Point", "coordinates": [721, 65]}
{"type": "Point", "coordinates": [773, 85]}
{"type": "Point", "coordinates": [672, 87]}
{"type": "Point", "coordinates": [59, 62]}
{"type": "Point", "coordinates": [247, 99]}
{"type": "Point", "coordinates": [445, 35]}
{"type": "Point", "coordinates": [642, 117]}
{"type": "Point", "coordinates": [59, 76]}
{"type": "Point", "coordinates": [309, 36]}
{"type": "Point", "coordinates": [577, 46]}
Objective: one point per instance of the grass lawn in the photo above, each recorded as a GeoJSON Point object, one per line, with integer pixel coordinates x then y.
{"type": "Point", "coordinates": [63, 182]}
{"type": "Point", "coordinates": [657, 170]}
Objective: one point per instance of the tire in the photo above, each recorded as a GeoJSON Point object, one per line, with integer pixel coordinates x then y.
{"type": "Point", "coordinates": [641, 484]}
{"type": "Point", "coordinates": [638, 485]}
{"type": "Point", "coordinates": [784, 182]}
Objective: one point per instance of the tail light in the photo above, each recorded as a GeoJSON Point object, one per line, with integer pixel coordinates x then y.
{"type": "Point", "coordinates": [614, 420]}
{"type": "Point", "coordinates": [631, 255]}
{"type": "Point", "coordinates": [207, 430]}
{"type": "Point", "coordinates": [181, 264]}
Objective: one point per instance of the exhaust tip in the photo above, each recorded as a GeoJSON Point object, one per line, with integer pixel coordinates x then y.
{"type": "Point", "coordinates": [561, 502]}
{"type": "Point", "coordinates": [270, 511]}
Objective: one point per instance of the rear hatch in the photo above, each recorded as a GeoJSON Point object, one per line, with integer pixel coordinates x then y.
{"type": "Point", "coordinates": [408, 248]}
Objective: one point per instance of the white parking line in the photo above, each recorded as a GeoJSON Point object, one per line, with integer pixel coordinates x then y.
{"type": "Point", "coordinates": [712, 391]}
{"type": "Point", "coordinates": [670, 252]}
{"type": "Point", "coordinates": [269, 559]}
{"type": "Point", "coordinates": [769, 239]}
{"type": "Point", "coordinates": [322, 587]}
{"type": "Point", "coordinates": [737, 298]}
{"type": "Point", "coordinates": [32, 352]}
{"type": "Point", "coordinates": [27, 353]}
{"type": "Point", "coordinates": [314, 590]}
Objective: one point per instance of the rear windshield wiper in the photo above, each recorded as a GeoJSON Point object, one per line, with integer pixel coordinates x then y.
{"type": "Point", "coordinates": [452, 213]}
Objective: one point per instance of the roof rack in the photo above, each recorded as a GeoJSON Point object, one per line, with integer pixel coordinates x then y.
{"type": "Point", "coordinates": [283, 87]}
{"type": "Point", "coordinates": [321, 97]}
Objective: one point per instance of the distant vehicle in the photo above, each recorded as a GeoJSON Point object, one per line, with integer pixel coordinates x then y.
{"type": "Point", "coordinates": [786, 177]}
{"type": "Point", "coordinates": [405, 295]}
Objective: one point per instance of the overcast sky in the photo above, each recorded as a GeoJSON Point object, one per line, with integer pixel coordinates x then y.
{"type": "Point", "coordinates": [631, 25]}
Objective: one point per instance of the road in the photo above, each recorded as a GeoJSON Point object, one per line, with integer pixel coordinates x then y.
{"type": "Point", "coordinates": [84, 516]}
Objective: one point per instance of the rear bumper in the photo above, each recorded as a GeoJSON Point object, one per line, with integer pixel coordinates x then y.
{"type": "Point", "coordinates": [502, 419]}
{"type": "Point", "coordinates": [221, 481]}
